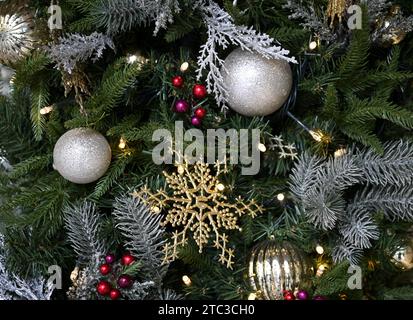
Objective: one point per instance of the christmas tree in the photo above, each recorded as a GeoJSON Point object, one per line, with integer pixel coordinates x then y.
{"type": "Point", "coordinates": [201, 149]}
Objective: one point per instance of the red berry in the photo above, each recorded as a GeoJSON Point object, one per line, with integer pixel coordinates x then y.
{"type": "Point", "coordinates": [105, 269]}
{"type": "Point", "coordinates": [103, 288]}
{"type": "Point", "coordinates": [289, 296]}
{"type": "Point", "coordinates": [127, 259]}
{"type": "Point", "coordinates": [200, 113]}
{"type": "Point", "coordinates": [115, 294]}
{"type": "Point", "coordinates": [178, 82]}
{"type": "Point", "coordinates": [199, 91]}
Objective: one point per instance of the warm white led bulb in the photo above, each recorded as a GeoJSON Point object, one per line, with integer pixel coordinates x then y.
{"type": "Point", "coordinates": [313, 45]}
{"type": "Point", "coordinates": [262, 147]}
{"type": "Point", "coordinates": [46, 110]}
{"type": "Point", "coordinates": [340, 152]}
{"type": "Point", "coordinates": [122, 144]}
{"type": "Point", "coordinates": [319, 249]}
{"type": "Point", "coordinates": [252, 296]}
{"type": "Point", "coordinates": [132, 58]}
{"type": "Point", "coordinates": [187, 280]}
{"type": "Point", "coordinates": [184, 66]}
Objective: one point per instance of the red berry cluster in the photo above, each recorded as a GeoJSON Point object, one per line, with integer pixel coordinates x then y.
{"type": "Point", "coordinates": [300, 295]}
{"type": "Point", "coordinates": [199, 92]}
{"type": "Point", "coordinates": [113, 282]}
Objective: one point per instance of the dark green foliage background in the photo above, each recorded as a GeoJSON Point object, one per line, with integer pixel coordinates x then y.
{"type": "Point", "coordinates": [359, 94]}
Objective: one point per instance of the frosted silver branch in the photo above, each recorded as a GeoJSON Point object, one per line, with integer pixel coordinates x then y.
{"type": "Point", "coordinates": [83, 224]}
{"type": "Point", "coordinates": [319, 185]}
{"type": "Point", "coordinates": [168, 294]}
{"type": "Point", "coordinates": [394, 167]}
{"type": "Point", "coordinates": [139, 291]}
{"type": "Point", "coordinates": [395, 23]}
{"type": "Point", "coordinates": [13, 287]}
{"type": "Point", "coordinates": [377, 7]}
{"type": "Point", "coordinates": [144, 235]}
{"type": "Point", "coordinates": [345, 251]}
{"type": "Point", "coordinates": [395, 202]}
{"type": "Point", "coordinates": [76, 48]}
{"type": "Point", "coordinates": [310, 20]}
{"type": "Point", "coordinates": [4, 162]}
{"type": "Point", "coordinates": [122, 15]}
{"type": "Point", "coordinates": [385, 185]}
{"type": "Point", "coordinates": [358, 228]}
{"type": "Point", "coordinates": [222, 33]}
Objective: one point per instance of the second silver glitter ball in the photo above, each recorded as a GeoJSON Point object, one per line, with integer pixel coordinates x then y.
{"type": "Point", "coordinates": [256, 86]}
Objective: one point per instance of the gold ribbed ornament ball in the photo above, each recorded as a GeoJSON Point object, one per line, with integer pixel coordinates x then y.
{"type": "Point", "coordinates": [403, 257]}
{"type": "Point", "coordinates": [256, 86]}
{"type": "Point", "coordinates": [16, 31]}
{"type": "Point", "coordinates": [276, 266]}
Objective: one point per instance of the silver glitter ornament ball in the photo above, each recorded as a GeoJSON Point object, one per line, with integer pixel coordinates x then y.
{"type": "Point", "coordinates": [82, 155]}
{"type": "Point", "coordinates": [256, 86]}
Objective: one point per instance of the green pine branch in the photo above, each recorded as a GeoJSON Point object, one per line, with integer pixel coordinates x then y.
{"type": "Point", "coordinates": [31, 165]}
{"type": "Point", "coordinates": [115, 171]}
{"type": "Point", "coordinates": [116, 80]}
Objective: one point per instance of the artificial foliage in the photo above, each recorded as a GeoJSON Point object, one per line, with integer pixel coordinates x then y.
{"type": "Point", "coordinates": [336, 161]}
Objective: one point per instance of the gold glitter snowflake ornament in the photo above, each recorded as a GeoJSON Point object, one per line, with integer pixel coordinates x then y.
{"type": "Point", "coordinates": [198, 207]}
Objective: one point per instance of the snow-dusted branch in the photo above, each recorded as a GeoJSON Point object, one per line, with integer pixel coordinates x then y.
{"type": "Point", "coordinates": [76, 48]}
{"type": "Point", "coordinates": [13, 287]}
{"type": "Point", "coordinates": [144, 235]}
{"type": "Point", "coordinates": [222, 33]}
{"type": "Point", "coordinates": [83, 225]}
{"type": "Point", "coordinates": [385, 186]}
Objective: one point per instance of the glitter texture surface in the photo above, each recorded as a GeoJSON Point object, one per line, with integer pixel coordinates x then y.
{"type": "Point", "coordinates": [82, 155]}
{"type": "Point", "coordinates": [256, 86]}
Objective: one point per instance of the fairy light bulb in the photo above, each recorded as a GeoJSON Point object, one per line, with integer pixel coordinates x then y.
{"type": "Point", "coordinates": [132, 58]}
{"type": "Point", "coordinates": [340, 152]}
{"type": "Point", "coordinates": [319, 249]}
{"type": "Point", "coordinates": [280, 197]}
{"type": "Point", "coordinates": [320, 270]}
{"type": "Point", "coordinates": [46, 110]}
{"type": "Point", "coordinates": [186, 280]}
{"type": "Point", "coordinates": [184, 67]}
{"type": "Point", "coordinates": [313, 45]}
{"type": "Point", "coordinates": [320, 136]}
{"type": "Point", "coordinates": [252, 296]}
{"type": "Point", "coordinates": [220, 187]}
{"type": "Point", "coordinates": [317, 135]}
{"type": "Point", "coordinates": [262, 147]}
{"type": "Point", "coordinates": [122, 144]}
